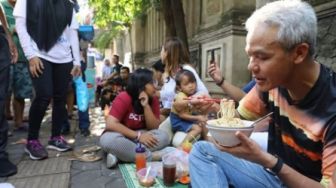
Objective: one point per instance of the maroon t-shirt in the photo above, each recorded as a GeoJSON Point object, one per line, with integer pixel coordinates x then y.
{"type": "Point", "coordinates": [122, 109]}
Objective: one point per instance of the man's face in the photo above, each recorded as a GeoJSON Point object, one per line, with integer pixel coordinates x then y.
{"type": "Point", "coordinates": [124, 74]}
{"type": "Point", "coordinates": [271, 66]}
{"type": "Point", "coordinates": [114, 60]}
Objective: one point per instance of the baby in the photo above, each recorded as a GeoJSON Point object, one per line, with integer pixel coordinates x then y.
{"type": "Point", "coordinates": [182, 117]}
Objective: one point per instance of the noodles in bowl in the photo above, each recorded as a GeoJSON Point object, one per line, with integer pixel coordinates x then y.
{"type": "Point", "coordinates": [224, 128]}
{"type": "Point", "coordinates": [226, 115]}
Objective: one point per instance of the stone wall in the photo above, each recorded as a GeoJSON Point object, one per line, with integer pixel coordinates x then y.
{"type": "Point", "coordinates": [326, 38]}
{"type": "Point", "coordinates": [218, 25]}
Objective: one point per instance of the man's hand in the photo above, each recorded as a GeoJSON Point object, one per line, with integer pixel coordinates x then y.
{"type": "Point", "coordinates": [143, 97]}
{"type": "Point", "coordinates": [248, 149]}
{"type": "Point", "coordinates": [76, 71]}
{"type": "Point", "coordinates": [200, 103]}
{"type": "Point", "coordinates": [36, 66]}
{"type": "Point", "coordinates": [215, 72]}
{"type": "Point", "coordinates": [148, 140]}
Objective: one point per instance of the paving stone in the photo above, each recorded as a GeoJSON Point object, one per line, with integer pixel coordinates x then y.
{"type": "Point", "coordinates": [30, 168]}
{"type": "Point", "coordinates": [85, 178]}
{"type": "Point", "coordinates": [60, 180]}
{"type": "Point", "coordinates": [101, 182]}
{"type": "Point", "coordinates": [114, 172]}
{"type": "Point", "coordinates": [116, 182]}
{"type": "Point", "coordinates": [83, 166]}
{"type": "Point", "coordinates": [58, 170]}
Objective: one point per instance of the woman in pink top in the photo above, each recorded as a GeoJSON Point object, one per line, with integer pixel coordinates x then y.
{"type": "Point", "coordinates": [134, 117]}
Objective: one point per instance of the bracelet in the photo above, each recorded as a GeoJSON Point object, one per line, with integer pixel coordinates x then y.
{"type": "Point", "coordinates": [138, 136]}
{"type": "Point", "coordinates": [221, 82]}
{"type": "Point", "coordinates": [277, 167]}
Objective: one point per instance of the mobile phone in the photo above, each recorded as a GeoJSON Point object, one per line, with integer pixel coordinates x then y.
{"type": "Point", "coordinates": [212, 60]}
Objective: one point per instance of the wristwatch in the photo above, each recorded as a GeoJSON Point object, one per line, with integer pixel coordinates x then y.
{"type": "Point", "coordinates": [277, 167]}
{"type": "Point", "coordinates": [221, 82]}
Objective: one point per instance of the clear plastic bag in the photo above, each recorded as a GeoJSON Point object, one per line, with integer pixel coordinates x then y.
{"type": "Point", "coordinates": [182, 163]}
{"type": "Point", "coordinates": [82, 94]}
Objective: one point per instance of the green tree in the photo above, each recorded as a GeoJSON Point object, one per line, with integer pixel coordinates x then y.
{"type": "Point", "coordinates": [114, 16]}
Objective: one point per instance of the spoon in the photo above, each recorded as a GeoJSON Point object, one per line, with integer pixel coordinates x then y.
{"type": "Point", "coordinates": [260, 119]}
{"type": "Point", "coordinates": [147, 173]}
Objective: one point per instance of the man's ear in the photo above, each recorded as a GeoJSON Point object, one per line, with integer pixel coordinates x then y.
{"type": "Point", "coordinates": [301, 52]}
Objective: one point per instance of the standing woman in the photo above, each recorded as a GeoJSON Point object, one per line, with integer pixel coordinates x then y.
{"type": "Point", "coordinates": [134, 117]}
{"type": "Point", "coordinates": [47, 31]}
{"type": "Point", "coordinates": [175, 57]}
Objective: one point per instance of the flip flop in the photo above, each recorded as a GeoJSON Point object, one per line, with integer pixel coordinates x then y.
{"type": "Point", "coordinates": [86, 154]}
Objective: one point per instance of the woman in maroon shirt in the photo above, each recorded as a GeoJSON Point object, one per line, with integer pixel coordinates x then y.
{"type": "Point", "coordinates": [134, 117]}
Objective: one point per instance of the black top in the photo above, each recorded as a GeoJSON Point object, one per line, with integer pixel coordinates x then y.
{"type": "Point", "coordinates": [47, 19]}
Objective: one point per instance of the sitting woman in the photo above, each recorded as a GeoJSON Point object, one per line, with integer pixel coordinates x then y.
{"type": "Point", "coordinates": [134, 117]}
{"type": "Point", "coordinates": [175, 57]}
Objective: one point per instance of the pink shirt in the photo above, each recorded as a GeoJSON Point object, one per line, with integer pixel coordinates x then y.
{"type": "Point", "coordinates": [122, 109]}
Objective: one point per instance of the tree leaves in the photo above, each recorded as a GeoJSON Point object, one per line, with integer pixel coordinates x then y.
{"type": "Point", "coordinates": [115, 16]}
{"type": "Point", "coordinates": [107, 12]}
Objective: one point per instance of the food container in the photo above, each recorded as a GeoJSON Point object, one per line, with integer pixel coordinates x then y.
{"type": "Point", "coordinates": [150, 180]}
{"type": "Point", "coordinates": [226, 135]}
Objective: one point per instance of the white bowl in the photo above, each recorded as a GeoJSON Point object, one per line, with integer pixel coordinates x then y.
{"type": "Point", "coordinates": [225, 136]}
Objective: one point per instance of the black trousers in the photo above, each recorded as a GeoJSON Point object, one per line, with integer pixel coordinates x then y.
{"type": "Point", "coordinates": [4, 80]}
{"type": "Point", "coordinates": [51, 84]}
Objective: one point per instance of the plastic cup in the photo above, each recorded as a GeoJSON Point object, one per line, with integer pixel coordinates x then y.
{"type": "Point", "coordinates": [169, 170]}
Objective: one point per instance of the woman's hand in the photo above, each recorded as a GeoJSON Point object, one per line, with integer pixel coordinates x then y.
{"type": "Point", "coordinates": [36, 66]}
{"type": "Point", "coordinates": [214, 72]}
{"type": "Point", "coordinates": [148, 140]}
{"type": "Point", "coordinates": [76, 71]}
{"type": "Point", "coordinates": [248, 149]}
{"type": "Point", "coordinates": [143, 97]}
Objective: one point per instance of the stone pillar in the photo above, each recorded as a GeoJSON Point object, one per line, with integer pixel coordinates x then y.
{"type": "Point", "coordinates": [326, 37]}
{"type": "Point", "coordinates": [222, 29]}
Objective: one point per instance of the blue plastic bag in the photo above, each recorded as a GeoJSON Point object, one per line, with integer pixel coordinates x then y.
{"type": "Point", "coordinates": [82, 94]}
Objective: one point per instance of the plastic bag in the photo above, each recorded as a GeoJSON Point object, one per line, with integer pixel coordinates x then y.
{"type": "Point", "coordinates": [82, 94]}
{"type": "Point", "coordinates": [182, 163]}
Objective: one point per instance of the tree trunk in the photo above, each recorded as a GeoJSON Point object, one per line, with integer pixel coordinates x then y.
{"type": "Point", "coordinates": [180, 26]}
{"type": "Point", "coordinates": [174, 19]}
{"type": "Point", "coordinates": [168, 15]}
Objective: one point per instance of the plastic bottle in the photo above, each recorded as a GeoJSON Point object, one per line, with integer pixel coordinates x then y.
{"type": "Point", "coordinates": [140, 157]}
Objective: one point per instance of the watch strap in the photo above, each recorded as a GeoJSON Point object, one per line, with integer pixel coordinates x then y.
{"type": "Point", "coordinates": [277, 167]}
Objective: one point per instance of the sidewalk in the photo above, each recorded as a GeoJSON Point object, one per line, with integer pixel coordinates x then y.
{"type": "Point", "coordinates": [58, 171]}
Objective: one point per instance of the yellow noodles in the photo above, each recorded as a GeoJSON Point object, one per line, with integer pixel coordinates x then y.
{"type": "Point", "coordinates": [226, 115]}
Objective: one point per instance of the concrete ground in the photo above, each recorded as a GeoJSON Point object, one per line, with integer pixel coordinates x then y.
{"type": "Point", "coordinates": [60, 170]}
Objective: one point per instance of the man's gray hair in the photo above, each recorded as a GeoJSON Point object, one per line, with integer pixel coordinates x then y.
{"type": "Point", "coordinates": [295, 19]}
